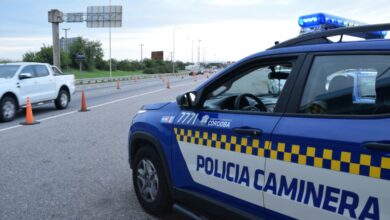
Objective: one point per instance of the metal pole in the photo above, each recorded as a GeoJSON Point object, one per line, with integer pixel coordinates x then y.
{"type": "Point", "coordinates": [141, 52]}
{"type": "Point", "coordinates": [110, 42]}
{"type": "Point", "coordinates": [199, 52]}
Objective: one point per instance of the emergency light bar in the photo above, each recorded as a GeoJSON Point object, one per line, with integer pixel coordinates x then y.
{"type": "Point", "coordinates": [322, 21]}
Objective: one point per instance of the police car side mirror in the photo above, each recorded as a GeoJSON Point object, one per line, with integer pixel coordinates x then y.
{"type": "Point", "coordinates": [187, 99]}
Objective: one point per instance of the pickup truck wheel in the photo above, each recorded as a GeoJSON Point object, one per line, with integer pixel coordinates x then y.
{"type": "Point", "coordinates": [62, 100]}
{"type": "Point", "coordinates": [150, 183]}
{"type": "Point", "coordinates": [7, 109]}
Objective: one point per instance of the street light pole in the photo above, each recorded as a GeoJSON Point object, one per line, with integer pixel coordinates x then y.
{"type": "Point", "coordinates": [199, 52]}
{"type": "Point", "coordinates": [192, 51]}
{"type": "Point", "coordinates": [204, 55]}
{"type": "Point", "coordinates": [173, 49]}
{"type": "Point", "coordinates": [141, 45]}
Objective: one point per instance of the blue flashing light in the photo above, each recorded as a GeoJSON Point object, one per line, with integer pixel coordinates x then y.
{"type": "Point", "coordinates": [313, 20]}
{"type": "Point", "coordinates": [326, 21]}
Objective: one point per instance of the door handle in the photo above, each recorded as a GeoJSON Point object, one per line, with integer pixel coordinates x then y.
{"type": "Point", "coordinates": [377, 146]}
{"type": "Point", "coordinates": [248, 131]}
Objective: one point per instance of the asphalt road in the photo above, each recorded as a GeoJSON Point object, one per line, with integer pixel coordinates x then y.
{"type": "Point", "coordinates": [73, 165]}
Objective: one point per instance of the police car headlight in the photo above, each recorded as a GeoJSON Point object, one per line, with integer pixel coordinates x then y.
{"type": "Point", "coordinates": [141, 111]}
{"type": "Point", "coordinates": [138, 113]}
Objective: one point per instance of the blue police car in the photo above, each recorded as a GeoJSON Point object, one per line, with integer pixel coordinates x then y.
{"type": "Point", "coordinates": [317, 147]}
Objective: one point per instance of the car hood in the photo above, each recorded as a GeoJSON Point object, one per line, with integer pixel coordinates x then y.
{"type": "Point", "coordinates": [155, 106]}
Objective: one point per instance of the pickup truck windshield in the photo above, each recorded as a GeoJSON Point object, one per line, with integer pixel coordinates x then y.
{"type": "Point", "coordinates": [8, 71]}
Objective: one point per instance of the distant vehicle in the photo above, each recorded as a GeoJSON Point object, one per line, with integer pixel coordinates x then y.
{"type": "Point", "coordinates": [194, 72]}
{"type": "Point", "coordinates": [39, 81]}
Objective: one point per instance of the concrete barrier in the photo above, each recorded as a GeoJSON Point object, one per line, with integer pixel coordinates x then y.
{"type": "Point", "coordinates": [87, 81]}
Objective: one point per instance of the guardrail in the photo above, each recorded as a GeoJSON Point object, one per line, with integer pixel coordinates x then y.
{"type": "Point", "coordinates": [87, 81]}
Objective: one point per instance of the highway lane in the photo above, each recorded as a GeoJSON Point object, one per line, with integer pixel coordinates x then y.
{"type": "Point", "coordinates": [97, 94]}
{"type": "Point", "coordinates": [74, 165]}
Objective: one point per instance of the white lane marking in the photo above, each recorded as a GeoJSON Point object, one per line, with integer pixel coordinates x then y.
{"type": "Point", "coordinates": [95, 106]}
{"type": "Point", "coordinates": [9, 128]}
{"type": "Point", "coordinates": [123, 99]}
{"type": "Point", "coordinates": [56, 116]}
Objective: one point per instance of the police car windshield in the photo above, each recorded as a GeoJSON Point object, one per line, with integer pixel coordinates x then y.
{"type": "Point", "coordinates": [264, 81]}
{"type": "Point", "coordinates": [8, 71]}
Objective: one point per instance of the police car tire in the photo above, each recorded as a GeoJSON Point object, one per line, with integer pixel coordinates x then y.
{"type": "Point", "coordinates": [162, 203]}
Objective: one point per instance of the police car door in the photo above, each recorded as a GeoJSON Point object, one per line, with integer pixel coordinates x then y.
{"type": "Point", "coordinates": [330, 156]}
{"type": "Point", "coordinates": [222, 145]}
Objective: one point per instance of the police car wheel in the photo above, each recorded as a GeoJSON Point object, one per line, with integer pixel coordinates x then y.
{"type": "Point", "coordinates": [149, 182]}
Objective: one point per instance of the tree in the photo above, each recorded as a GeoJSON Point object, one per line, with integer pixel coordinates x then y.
{"type": "Point", "coordinates": [91, 49]}
{"type": "Point", "coordinates": [29, 57]}
{"type": "Point", "coordinates": [45, 55]}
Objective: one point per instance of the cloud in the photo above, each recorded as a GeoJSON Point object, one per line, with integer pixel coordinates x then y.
{"type": "Point", "coordinates": [14, 47]}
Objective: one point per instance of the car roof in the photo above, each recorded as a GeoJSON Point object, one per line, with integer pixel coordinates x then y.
{"type": "Point", "coordinates": [366, 45]}
{"type": "Point", "coordinates": [23, 63]}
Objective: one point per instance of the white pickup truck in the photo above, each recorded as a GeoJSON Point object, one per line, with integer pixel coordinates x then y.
{"type": "Point", "coordinates": [39, 81]}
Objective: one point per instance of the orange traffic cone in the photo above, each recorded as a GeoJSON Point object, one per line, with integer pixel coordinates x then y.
{"type": "Point", "coordinates": [118, 84]}
{"type": "Point", "coordinates": [83, 102]}
{"type": "Point", "coordinates": [168, 84]}
{"type": "Point", "coordinates": [29, 114]}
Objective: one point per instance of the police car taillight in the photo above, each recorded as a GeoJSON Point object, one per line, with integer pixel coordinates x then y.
{"type": "Point", "coordinates": [322, 21]}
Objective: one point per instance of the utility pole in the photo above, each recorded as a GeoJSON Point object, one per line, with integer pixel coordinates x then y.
{"type": "Point", "coordinates": [55, 18]}
{"type": "Point", "coordinates": [199, 52]}
{"type": "Point", "coordinates": [66, 43]}
{"type": "Point", "coordinates": [66, 38]}
{"type": "Point", "coordinates": [192, 51]}
{"type": "Point", "coordinates": [141, 45]}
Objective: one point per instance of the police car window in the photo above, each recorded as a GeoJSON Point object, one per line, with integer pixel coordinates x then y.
{"type": "Point", "coordinates": [348, 85]}
{"type": "Point", "coordinates": [264, 83]}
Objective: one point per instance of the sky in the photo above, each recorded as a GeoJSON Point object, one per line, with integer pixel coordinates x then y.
{"type": "Point", "coordinates": [221, 30]}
